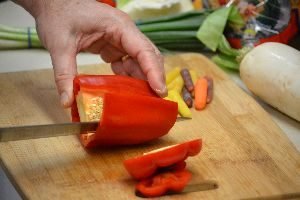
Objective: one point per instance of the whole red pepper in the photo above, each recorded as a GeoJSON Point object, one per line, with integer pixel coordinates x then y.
{"type": "Point", "coordinates": [132, 113]}
{"type": "Point", "coordinates": [147, 165]}
{"type": "Point", "coordinates": [162, 183]}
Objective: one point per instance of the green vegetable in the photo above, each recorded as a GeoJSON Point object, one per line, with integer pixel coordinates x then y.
{"type": "Point", "coordinates": [225, 48]}
{"type": "Point", "coordinates": [211, 31]}
{"type": "Point", "coordinates": [184, 46]}
{"type": "Point", "coordinates": [174, 17]}
{"type": "Point", "coordinates": [190, 23]}
{"type": "Point", "coordinates": [235, 18]}
{"type": "Point", "coordinates": [18, 38]}
{"type": "Point", "coordinates": [225, 61]}
{"type": "Point", "coordinates": [171, 35]}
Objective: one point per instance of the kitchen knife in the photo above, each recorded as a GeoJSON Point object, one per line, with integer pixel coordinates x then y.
{"type": "Point", "coordinates": [195, 187]}
{"type": "Point", "coordinates": [49, 130]}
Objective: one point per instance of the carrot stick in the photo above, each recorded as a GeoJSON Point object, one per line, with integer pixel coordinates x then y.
{"type": "Point", "coordinates": [210, 86]}
{"type": "Point", "coordinates": [188, 82]}
{"type": "Point", "coordinates": [201, 93]}
{"type": "Point", "coordinates": [187, 97]}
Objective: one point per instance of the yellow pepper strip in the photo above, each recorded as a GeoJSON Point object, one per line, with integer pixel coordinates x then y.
{"type": "Point", "coordinates": [176, 84]}
{"type": "Point", "coordinates": [193, 75]}
{"type": "Point", "coordinates": [171, 75]}
{"type": "Point", "coordinates": [183, 109]}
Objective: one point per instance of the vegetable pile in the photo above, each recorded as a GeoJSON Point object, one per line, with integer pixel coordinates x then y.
{"type": "Point", "coordinates": [186, 89]}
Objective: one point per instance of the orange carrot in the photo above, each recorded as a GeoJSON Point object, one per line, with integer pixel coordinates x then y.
{"type": "Point", "coordinates": [210, 86]}
{"type": "Point", "coordinates": [201, 93]}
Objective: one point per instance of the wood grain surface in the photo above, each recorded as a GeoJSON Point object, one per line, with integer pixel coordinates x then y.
{"type": "Point", "coordinates": [244, 151]}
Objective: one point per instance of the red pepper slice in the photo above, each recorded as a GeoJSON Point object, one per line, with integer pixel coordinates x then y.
{"type": "Point", "coordinates": [132, 113]}
{"type": "Point", "coordinates": [145, 166]}
{"type": "Point", "coordinates": [160, 184]}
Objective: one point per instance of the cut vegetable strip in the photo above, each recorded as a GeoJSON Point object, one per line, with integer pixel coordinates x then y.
{"type": "Point", "coordinates": [176, 84]}
{"type": "Point", "coordinates": [162, 183]}
{"type": "Point", "coordinates": [201, 93]}
{"type": "Point", "coordinates": [183, 109]}
{"type": "Point", "coordinates": [147, 165]}
{"type": "Point", "coordinates": [171, 75]}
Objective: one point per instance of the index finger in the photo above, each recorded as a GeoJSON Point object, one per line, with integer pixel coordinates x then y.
{"type": "Point", "coordinates": [148, 57]}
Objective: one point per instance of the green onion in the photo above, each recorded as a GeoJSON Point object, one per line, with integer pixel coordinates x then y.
{"type": "Point", "coordinates": [174, 17]}
{"type": "Point", "coordinates": [191, 23]}
{"type": "Point", "coordinates": [225, 61]}
{"type": "Point", "coordinates": [171, 35]}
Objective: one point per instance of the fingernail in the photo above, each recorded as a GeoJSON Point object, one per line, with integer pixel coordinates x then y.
{"type": "Point", "coordinates": [162, 92]}
{"type": "Point", "coordinates": [64, 99]}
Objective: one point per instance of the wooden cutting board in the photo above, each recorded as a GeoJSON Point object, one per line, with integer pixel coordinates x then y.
{"type": "Point", "coordinates": [244, 151]}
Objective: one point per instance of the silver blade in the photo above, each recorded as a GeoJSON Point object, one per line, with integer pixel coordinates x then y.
{"type": "Point", "coordinates": [44, 131]}
{"type": "Point", "coordinates": [14, 133]}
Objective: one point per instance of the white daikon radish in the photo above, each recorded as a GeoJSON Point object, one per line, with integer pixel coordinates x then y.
{"type": "Point", "coordinates": [272, 72]}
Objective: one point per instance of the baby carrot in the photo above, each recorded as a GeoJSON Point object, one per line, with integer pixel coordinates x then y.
{"type": "Point", "coordinates": [210, 86]}
{"type": "Point", "coordinates": [200, 93]}
{"type": "Point", "coordinates": [188, 83]}
{"type": "Point", "coordinates": [187, 97]}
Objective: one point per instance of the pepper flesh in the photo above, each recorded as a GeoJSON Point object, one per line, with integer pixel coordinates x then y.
{"type": "Point", "coordinates": [162, 183]}
{"type": "Point", "coordinates": [148, 164]}
{"type": "Point", "coordinates": [132, 113]}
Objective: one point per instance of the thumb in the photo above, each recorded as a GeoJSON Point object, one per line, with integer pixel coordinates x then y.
{"type": "Point", "coordinates": [64, 65]}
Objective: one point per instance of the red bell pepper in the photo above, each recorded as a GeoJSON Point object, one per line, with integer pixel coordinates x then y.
{"type": "Point", "coordinates": [162, 183]}
{"type": "Point", "coordinates": [109, 2]}
{"type": "Point", "coordinates": [145, 166]}
{"type": "Point", "coordinates": [132, 113]}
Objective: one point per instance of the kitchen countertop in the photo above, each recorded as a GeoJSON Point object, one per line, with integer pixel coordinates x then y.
{"type": "Point", "coordinates": [20, 60]}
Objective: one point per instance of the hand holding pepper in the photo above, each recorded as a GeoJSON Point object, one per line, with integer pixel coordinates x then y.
{"type": "Point", "coordinates": [67, 27]}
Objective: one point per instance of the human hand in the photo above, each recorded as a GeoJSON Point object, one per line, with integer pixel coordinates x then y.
{"type": "Point", "coordinates": [67, 27]}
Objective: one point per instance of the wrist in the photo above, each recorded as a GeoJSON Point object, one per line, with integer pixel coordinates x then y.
{"type": "Point", "coordinates": [31, 6]}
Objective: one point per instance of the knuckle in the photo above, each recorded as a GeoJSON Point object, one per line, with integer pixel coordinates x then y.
{"type": "Point", "coordinates": [62, 77]}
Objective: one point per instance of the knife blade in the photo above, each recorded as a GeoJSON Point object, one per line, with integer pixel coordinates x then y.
{"type": "Point", "coordinates": [14, 133]}
{"type": "Point", "coordinates": [195, 187]}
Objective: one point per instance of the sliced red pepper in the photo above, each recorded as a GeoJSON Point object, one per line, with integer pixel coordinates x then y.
{"type": "Point", "coordinates": [132, 113]}
{"type": "Point", "coordinates": [145, 166]}
{"type": "Point", "coordinates": [165, 182]}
